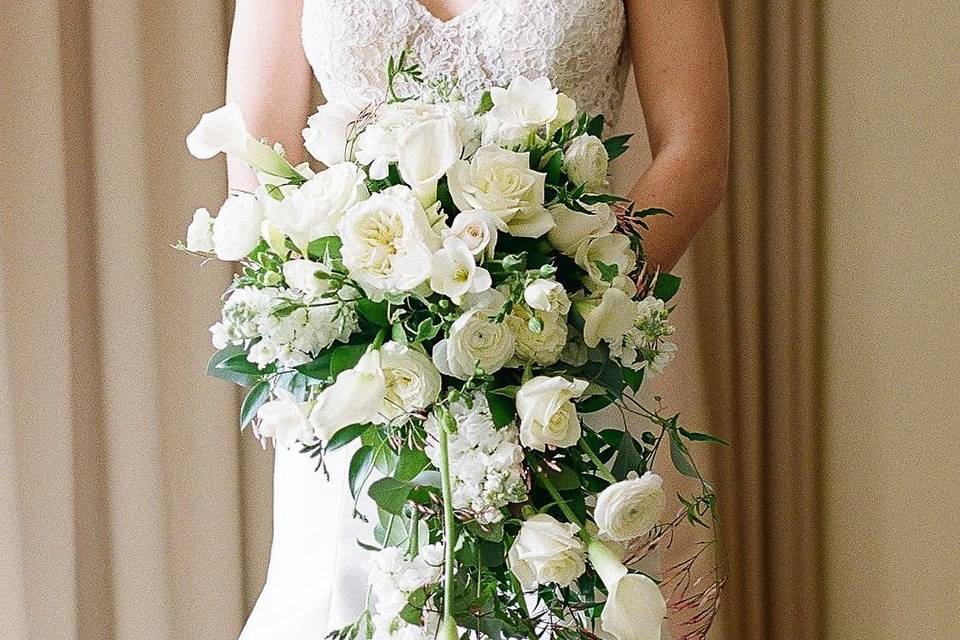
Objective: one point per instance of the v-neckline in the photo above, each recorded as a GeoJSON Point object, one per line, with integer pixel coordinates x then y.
{"type": "Point", "coordinates": [430, 15]}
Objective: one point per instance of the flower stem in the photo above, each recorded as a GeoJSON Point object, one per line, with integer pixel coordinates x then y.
{"type": "Point", "coordinates": [449, 533]}
{"type": "Point", "coordinates": [601, 468]}
{"type": "Point", "coordinates": [555, 494]}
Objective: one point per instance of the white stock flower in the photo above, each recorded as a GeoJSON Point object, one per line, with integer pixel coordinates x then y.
{"type": "Point", "coordinates": [573, 228]}
{"type": "Point", "coordinates": [285, 420]}
{"type": "Point", "coordinates": [612, 250]}
{"type": "Point", "coordinates": [546, 551]}
{"type": "Point", "coordinates": [388, 243]}
{"type": "Point", "coordinates": [586, 162]}
{"type": "Point", "coordinates": [609, 320]}
{"type": "Point", "coordinates": [479, 231]}
{"type": "Point", "coordinates": [501, 182]}
{"type": "Point", "coordinates": [547, 414]}
{"type": "Point", "coordinates": [200, 232]}
{"type": "Point", "coordinates": [315, 209]}
{"type": "Point", "coordinates": [412, 381]}
{"type": "Point", "coordinates": [236, 230]}
{"type": "Point", "coordinates": [356, 397]}
{"type": "Point", "coordinates": [426, 151]}
{"type": "Point", "coordinates": [547, 295]}
{"type": "Point", "coordinates": [454, 271]}
{"type": "Point", "coordinates": [476, 340]}
{"type": "Point", "coordinates": [325, 137]}
{"type": "Point", "coordinates": [522, 107]}
{"type": "Point", "coordinates": [301, 275]}
{"type": "Point", "coordinates": [630, 508]}
{"type": "Point", "coordinates": [635, 607]}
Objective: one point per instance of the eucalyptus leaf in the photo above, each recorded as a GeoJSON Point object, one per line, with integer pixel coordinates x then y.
{"type": "Point", "coordinates": [242, 379]}
{"type": "Point", "coordinates": [346, 435]}
{"type": "Point", "coordinates": [361, 464]}
{"type": "Point", "coordinates": [390, 494]}
{"type": "Point", "coordinates": [254, 400]}
{"type": "Point", "coordinates": [680, 457]}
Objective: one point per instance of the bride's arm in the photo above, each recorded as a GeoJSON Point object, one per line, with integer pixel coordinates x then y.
{"type": "Point", "coordinates": [268, 76]}
{"type": "Point", "coordinates": [679, 60]}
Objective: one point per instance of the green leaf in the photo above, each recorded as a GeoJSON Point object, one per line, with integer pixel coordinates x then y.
{"type": "Point", "coordinates": [607, 271]}
{"type": "Point", "coordinates": [410, 463]}
{"type": "Point", "coordinates": [628, 458]}
{"type": "Point", "coordinates": [346, 357]}
{"type": "Point", "coordinates": [502, 409]}
{"type": "Point", "coordinates": [254, 400]}
{"type": "Point", "coordinates": [361, 465]}
{"type": "Point", "coordinates": [595, 403]}
{"type": "Point", "coordinates": [595, 126]}
{"type": "Point", "coordinates": [239, 364]}
{"type": "Point", "coordinates": [242, 379]}
{"type": "Point", "coordinates": [666, 287]}
{"type": "Point", "coordinates": [375, 312]}
{"type": "Point", "coordinates": [398, 333]}
{"type": "Point", "coordinates": [486, 103]}
{"type": "Point", "coordinates": [633, 378]}
{"type": "Point", "coordinates": [390, 494]}
{"type": "Point", "coordinates": [346, 435]}
{"type": "Point", "coordinates": [702, 437]}
{"type": "Point", "coordinates": [617, 145]}
{"type": "Point", "coordinates": [426, 330]}
{"type": "Point", "coordinates": [680, 456]}
{"type": "Point", "coordinates": [318, 369]}
{"type": "Point", "coordinates": [566, 479]}
{"type": "Point", "coordinates": [327, 246]}
{"type": "Point", "coordinates": [554, 169]}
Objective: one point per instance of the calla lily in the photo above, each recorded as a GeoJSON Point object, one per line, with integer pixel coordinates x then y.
{"type": "Point", "coordinates": [635, 608]}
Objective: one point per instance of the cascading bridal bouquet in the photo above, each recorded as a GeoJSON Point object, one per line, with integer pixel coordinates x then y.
{"type": "Point", "coordinates": [449, 297]}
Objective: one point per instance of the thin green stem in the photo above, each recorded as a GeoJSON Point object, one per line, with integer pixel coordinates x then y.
{"type": "Point", "coordinates": [601, 468]}
{"type": "Point", "coordinates": [557, 498]}
{"type": "Point", "coordinates": [449, 532]}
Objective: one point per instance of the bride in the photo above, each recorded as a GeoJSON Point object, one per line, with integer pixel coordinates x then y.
{"type": "Point", "coordinates": [317, 580]}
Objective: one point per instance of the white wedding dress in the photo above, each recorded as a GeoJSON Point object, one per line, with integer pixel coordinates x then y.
{"type": "Point", "coordinates": [316, 581]}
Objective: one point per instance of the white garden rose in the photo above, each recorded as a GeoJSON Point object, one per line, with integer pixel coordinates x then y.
{"type": "Point", "coordinates": [285, 420]}
{"type": "Point", "coordinates": [316, 208]}
{"type": "Point", "coordinates": [200, 232]}
{"type": "Point", "coordinates": [325, 137]}
{"type": "Point", "coordinates": [542, 347]}
{"type": "Point", "coordinates": [608, 320]}
{"type": "Point", "coordinates": [426, 151]}
{"type": "Point", "coordinates": [382, 140]}
{"type": "Point", "coordinates": [547, 414]}
{"type": "Point", "coordinates": [454, 272]}
{"type": "Point", "coordinates": [236, 230]}
{"type": "Point", "coordinates": [635, 607]}
{"type": "Point", "coordinates": [301, 275]}
{"type": "Point", "coordinates": [630, 508]}
{"type": "Point", "coordinates": [546, 551]}
{"type": "Point", "coordinates": [476, 339]}
{"type": "Point", "coordinates": [479, 231]}
{"type": "Point", "coordinates": [501, 182]}
{"type": "Point", "coordinates": [357, 396]}
{"type": "Point", "coordinates": [522, 107]}
{"type": "Point", "coordinates": [586, 162]}
{"type": "Point", "coordinates": [612, 250]}
{"type": "Point", "coordinates": [573, 228]}
{"type": "Point", "coordinates": [412, 381]}
{"type": "Point", "coordinates": [388, 243]}
{"type": "Point", "coordinates": [547, 295]}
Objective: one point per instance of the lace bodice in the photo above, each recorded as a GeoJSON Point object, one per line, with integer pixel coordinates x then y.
{"type": "Point", "coordinates": [578, 44]}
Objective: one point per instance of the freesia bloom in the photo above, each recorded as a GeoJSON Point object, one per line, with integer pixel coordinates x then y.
{"type": "Point", "coordinates": [546, 551]}
{"type": "Point", "coordinates": [547, 414]}
{"type": "Point", "coordinates": [356, 397]}
{"type": "Point", "coordinates": [630, 508]}
{"type": "Point", "coordinates": [454, 271]}
{"type": "Point", "coordinates": [236, 230]}
{"type": "Point", "coordinates": [635, 607]}
{"type": "Point", "coordinates": [608, 320]}
{"type": "Point", "coordinates": [285, 419]}
{"type": "Point", "coordinates": [427, 150]}
{"type": "Point", "coordinates": [200, 232]}
{"type": "Point", "coordinates": [301, 275]}
{"type": "Point", "coordinates": [522, 107]}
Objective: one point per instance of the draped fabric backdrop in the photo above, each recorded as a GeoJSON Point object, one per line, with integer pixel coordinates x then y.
{"type": "Point", "coordinates": [132, 508]}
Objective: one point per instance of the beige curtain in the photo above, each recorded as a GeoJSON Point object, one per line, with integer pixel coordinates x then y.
{"type": "Point", "coordinates": [125, 485]}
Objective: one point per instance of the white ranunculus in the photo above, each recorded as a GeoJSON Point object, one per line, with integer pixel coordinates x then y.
{"type": "Point", "coordinates": [609, 319]}
{"type": "Point", "coordinates": [612, 250]}
{"type": "Point", "coordinates": [542, 347]}
{"type": "Point", "coordinates": [479, 231]}
{"type": "Point", "coordinates": [635, 607]}
{"type": "Point", "coordinates": [573, 228]}
{"type": "Point", "coordinates": [224, 131]}
{"type": "Point", "coordinates": [586, 162]}
{"type": "Point", "coordinates": [388, 243]}
{"type": "Point", "coordinates": [236, 230]}
{"type": "Point", "coordinates": [426, 151]}
{"type": "Point", "coordinates": [547, 295]}
{"type": "Point", "coordinates": [285, 420]}
{"type": "Point", "coordinates": [302, 275]}
{"type": "Point", "coordinates": [476, 340]}
{"type": "Point", "coordinates": [454, 271]}
{"type": "Point", "coordinates": [200, 232]}
{"type": "Point", "coordinates": [630, 508]}
{"type": "Point", "coordinates": [356, 397]}
{"type": "Point", "coordinates": [501, 182]}
{"type": "Point", "coordinates": [316, 208]}
{"type": "Point", "coordinates": [546, 551]}
{"type": "Point", "coordinates": [412, 381]}
{"type": "Point", "coordinates": [524, 106]}
{"type": "Point", "coordinates": [325, 137]}
{"type": "Point", "coordinates": [547, 414]}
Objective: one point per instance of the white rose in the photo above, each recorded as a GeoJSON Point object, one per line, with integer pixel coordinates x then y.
{"type": "Point", "coordinates": [547, 414]}
{"type": "Point", "coordinates": [412, 381]}
{"type": "Point", "coordinates": [630, 508]}
{"type": "Point", "coordinates": [356, 397]}
{"type": "Point", "coordinates": [236, 230]}
{"type": "Point", "coordinates": [325, 137]}
{"type": "Point", "coordinates": [476, 339]}
{"type": "Point", "coordinates": [612, 250]}
{"type": "Point", "coordinates": [479, 230]}
{"type": "Point", "coordinates": [610, 319]}
{"type": "Point", "coordinates": [200, 232]}
{"type": "Point", "coordinates": [542, 348]}
{"type": "Point", "coordinates": [524, 106]}
{"type": "Point", "coordinates": [635, 607]}
{"type": "Point", "coordinates": [224, 131]}
{"type": "Point", "coordinates": [316, 208]}
{"type": "Point", "coordinates": [285, 420]}
{"type": "Point", "coordinates": [547, 295]}
{"type": "Point", "coordinates": [388, 243]}
{"type": "Point", "coordinates": [501, 182]}
{"type": "Point", "coordinates": [454, 271]}
{"type": "Point", "coordinates": [302, 276]}
{"type": "Point", "coordinates": [586, 162]}
{"type": "Point", "coordinates": [572, 228]}
{"type": "Point", "coordinates": [427, 150]}
{"type": "Point", "coordinates": [546, 551]}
